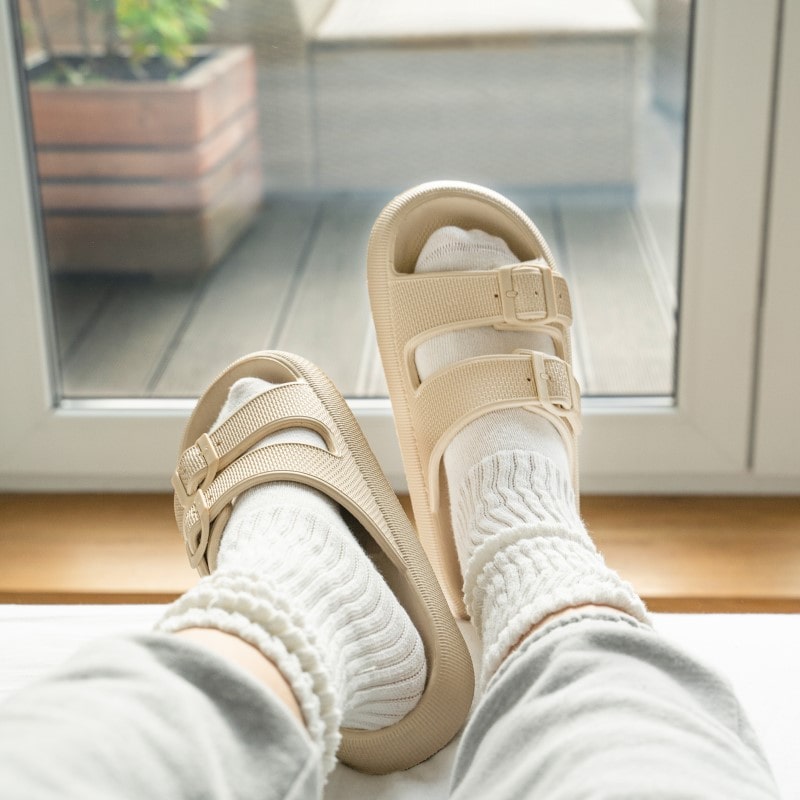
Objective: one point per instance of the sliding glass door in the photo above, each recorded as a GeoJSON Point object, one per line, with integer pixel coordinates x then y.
{"type": "Point", "coordinates": [162, 214]}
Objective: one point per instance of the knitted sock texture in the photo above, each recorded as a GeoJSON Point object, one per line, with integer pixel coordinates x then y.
{"type": "Point", "coordinates": [292, 580]}
{"type": "Point", "coordinates": [525, 553]}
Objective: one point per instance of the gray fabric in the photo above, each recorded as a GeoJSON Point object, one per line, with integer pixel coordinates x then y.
{"type": "Point", "coordinates": [606, 708]}
{"type": "Point", "coordinates": [152, 717]}
{"type": "Point", "coordinates": [588, 708]}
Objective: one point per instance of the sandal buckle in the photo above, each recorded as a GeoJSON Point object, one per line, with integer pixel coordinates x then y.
{"type": "Point", "coordinates": [207, 447]}
{"type": "Point", "coordinates": [549, 289]}
{"type": "Point", "coordinates": [197, 545]}
{"type": "Point", "coordinates": [568, 406]}
{"type": "Point", "coordinates": [185, 490]}
{"type": "Point", "coordinates": [515, 319]}
{"type": "Point", "coordinates": [197, 552]}
{"type": "Point", "coordinates": [184, 498]}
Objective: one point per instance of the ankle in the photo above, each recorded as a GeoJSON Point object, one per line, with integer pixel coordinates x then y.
{"type": "Point", "coordinates": [250, 659]}
{"type": "Point", "coordinates": [581, 610]}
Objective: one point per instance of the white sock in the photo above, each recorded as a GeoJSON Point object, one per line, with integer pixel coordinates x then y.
{"type": "Point", "coordinates": [523, 549]}
{"type": "Point", "coordinates": [292, 580]}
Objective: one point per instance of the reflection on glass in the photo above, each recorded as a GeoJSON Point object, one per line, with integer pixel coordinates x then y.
{"type": "Point", "coordinates": [208, 179]}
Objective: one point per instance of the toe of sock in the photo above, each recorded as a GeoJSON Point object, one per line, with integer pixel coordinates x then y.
{"type": "Point", "coordinates": [451, 248]}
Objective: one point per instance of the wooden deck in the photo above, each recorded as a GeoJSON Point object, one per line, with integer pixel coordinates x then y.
{"type": "Point", "coordinates": [296, 282]}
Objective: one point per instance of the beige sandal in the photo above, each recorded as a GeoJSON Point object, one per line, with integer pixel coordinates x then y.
{"type": "Point", "coordinates": [410, 308]}
{"type": "Point", "coordinates": [215, 468]}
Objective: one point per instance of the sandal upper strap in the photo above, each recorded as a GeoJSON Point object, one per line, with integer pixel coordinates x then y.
{"type": "Point", "coordinates": [529, 294]}
{"type": "Point", "coordinates": [283, 406]}
{"type": "Point", "coordinates": [450, 399]}
{"type": "Point", "coordinates": [218, 467]}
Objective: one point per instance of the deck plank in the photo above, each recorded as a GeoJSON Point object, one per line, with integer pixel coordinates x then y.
{"type": "Point", "coordinates": [297, 282]}
{"type": "Point", "coordinates": [76, 301]}
{"type": "Point", "coordinates": [660, 191]}
{"type": "Point", "coordinates": [127, 339]}
{"type": "Point", "coordinates": [373, 381]}
{"type": "Point", "coordinates": [626, 340]}
{"type": "Point", "coordinates": [541, 211]}
{"type": "Point", "coordinates": [329, 317]}
{"type": "Point", "coordinates": [660, 225]}
{"type": "Point", "coordinates": [241, 304]}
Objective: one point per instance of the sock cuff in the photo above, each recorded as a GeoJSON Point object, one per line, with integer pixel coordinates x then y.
{"type": "Point", "coordinates": [562, 545]}
{"type": "Point", "coordinates": [370, 647]}
{"type": "Point", "coordinates": [248, 607]}
{"type": "Point", "coordinates": [539, 577]}
{"type": "Point", "coordinates": [512, 488]}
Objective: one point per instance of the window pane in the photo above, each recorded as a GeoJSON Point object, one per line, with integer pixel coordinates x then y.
{"type": "Point", "coordinates": [217, 200]}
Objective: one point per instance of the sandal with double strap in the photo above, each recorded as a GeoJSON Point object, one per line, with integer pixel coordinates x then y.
{"type": "Point", "coordinates": [410, 308]}
{"type": "Point", "coordinates": [215, 467]}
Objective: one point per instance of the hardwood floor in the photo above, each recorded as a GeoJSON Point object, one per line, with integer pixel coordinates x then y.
{"type": "Point", "coordinates": [682, 554]}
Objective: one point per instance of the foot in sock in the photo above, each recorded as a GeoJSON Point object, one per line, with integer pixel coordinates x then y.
{"type": "Point", "coordinates": [522, 547]}
{"type": "Point", "coordinates": [292, 580]}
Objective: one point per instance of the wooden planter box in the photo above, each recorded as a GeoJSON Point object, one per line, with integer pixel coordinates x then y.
{"type": "Point", "coordinates": [155, 177]}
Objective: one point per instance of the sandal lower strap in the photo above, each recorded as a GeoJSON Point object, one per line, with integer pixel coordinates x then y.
{"type": "Point", "coordinates": [453, 397]}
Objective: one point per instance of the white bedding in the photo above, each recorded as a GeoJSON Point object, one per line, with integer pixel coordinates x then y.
{"type": "Point", "coordinates": [760, 654]}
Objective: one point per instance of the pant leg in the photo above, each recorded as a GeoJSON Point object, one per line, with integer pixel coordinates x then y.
{"type": "Point", "coordinates": [605, 708]}
{"type": "Point", "coordinates": [152, 717]}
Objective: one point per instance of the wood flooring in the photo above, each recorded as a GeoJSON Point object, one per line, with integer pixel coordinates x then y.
{"type": "Point", "coordinates": [682, 554]}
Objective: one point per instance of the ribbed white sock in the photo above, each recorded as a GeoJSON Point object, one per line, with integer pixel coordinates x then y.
{"type": "Point", "coordinates": [292, 580]}
{"type": "Point", "coordinates": [523, 549]}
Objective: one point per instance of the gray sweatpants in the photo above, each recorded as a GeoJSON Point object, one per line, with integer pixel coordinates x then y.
{"type": "Point", "coordinates": [587, 708]}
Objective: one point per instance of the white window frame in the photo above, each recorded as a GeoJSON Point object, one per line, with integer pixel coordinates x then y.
{"type": "Point", "coordinates": [701, 443]}
{"type": "Point", "coordinates": [777, 432]}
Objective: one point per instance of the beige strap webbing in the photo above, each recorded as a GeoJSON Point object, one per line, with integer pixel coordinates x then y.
{"type": "Point", "coordinates": [518, 295]}
{"type": "Point", "coordinates": [450, 399]}
{"type": "Point", "coordinates": [283, 406]}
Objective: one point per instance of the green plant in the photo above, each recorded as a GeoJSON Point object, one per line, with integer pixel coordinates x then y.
{"type": "Point", "coordinates": [136, 30]}
{"type": "Point", "coordinates": [164, 28]}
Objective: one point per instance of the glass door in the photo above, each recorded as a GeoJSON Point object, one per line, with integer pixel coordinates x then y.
{"type": "Point", "coordinates": [171, 206]}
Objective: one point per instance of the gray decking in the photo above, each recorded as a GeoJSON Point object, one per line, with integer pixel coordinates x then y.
{"type": "Point", "coordinates": [296, 282]}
